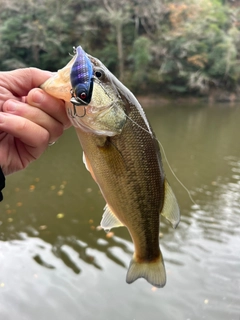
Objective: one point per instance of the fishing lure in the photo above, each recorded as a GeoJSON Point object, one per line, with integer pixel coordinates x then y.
{"type": "Point", "coordinates": [81, 78]}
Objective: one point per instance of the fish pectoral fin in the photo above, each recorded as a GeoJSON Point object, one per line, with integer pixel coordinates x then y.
{"type": "Point", "coordinates": [85, 161]}
{"type": "Point", "coordinates": [153, 271]}
{"type": "Point", "coordinates": [170, 208]}
{"type": "Point", "coordinates": [88, 166]}
{"type": "Point", "coordinates": [109, 219]}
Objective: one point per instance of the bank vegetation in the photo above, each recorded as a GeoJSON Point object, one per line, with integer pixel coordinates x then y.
{"type": "Point", "coordinates": [168, 47]}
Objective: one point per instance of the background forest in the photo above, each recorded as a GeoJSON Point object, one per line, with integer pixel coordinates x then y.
{"type": "Point", "coordinates": [161, 46]}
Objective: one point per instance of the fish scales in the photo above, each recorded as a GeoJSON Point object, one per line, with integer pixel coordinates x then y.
{"type": "Point", "coordinates": [123, 157]}
{"type": "Point", "coordinates": [127, 166]}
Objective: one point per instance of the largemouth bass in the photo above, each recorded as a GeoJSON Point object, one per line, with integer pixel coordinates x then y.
{"type": "Point", "coordinates": [123, 157]}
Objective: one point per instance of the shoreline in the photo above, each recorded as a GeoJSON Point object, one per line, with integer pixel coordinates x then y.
{"type": "Point", "coordinates": [215, 97]}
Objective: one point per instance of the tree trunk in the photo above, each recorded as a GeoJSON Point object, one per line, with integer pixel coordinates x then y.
{"type": "Point", "coordinates": [120, 50]}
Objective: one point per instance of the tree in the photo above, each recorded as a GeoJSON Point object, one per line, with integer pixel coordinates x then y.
{"type": "Point", "coordinates": [176, 46]}
{"type": "Point", "coordinates": [117, 14]}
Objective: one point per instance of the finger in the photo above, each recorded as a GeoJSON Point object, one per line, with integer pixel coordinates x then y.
{"type": "Point", "coordinates": [35, 137]}
{"type": "Point", "coordinates": [36, 116]}
{"type": "Point", "coordinates": [5, 94]}
{"type": "Point", "coordinates": [21, 81]}
{"type": "Point", "coordinates": [54, 107]}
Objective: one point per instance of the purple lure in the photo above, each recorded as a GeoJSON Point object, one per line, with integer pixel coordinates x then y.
{"type": "Point", "coordinates": [81, 77]}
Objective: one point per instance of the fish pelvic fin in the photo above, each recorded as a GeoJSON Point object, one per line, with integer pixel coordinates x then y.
{"type": "Point", "coordinates": [170, 208]}
{"type": "Point", "coordinates": [109, 219]}
{"type": "Point", "coordinates": [153, 271]}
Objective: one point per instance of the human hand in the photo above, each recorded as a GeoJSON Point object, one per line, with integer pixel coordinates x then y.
{"type": "Point", "coordinates": [30, 119]}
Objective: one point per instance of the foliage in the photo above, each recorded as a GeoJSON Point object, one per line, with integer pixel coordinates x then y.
{"type": "Point", "coordinates": [158, 45]}
{"type": "Point", "coordinates": [141, 58]}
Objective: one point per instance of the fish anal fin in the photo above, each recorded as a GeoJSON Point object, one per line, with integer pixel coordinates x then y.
{"type": "Point", "coordinates": [170, 208]}
{"type": "Point", "coordinates": [109, 219]}
{"type": "Point", "coordinates": [153, 272]}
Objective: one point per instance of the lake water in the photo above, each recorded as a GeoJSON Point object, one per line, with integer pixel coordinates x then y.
{"type": "Point", "coordinates": [55, 263]}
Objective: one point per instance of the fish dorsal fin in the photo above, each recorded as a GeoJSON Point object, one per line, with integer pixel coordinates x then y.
{"type": "Point", "coordinates": [109, 219]}
{"type": "Point", "coordinates": [170, 208]}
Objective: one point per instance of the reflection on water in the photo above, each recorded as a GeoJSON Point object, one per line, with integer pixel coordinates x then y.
{"type": "Point", "coordinates": [56, 263]}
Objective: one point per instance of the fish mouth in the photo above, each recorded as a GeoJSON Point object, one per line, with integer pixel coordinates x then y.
{"type": "Point", "coordinates": [105, 120]}
{"type": "Point", "coordinates": [88, 110]}
{"type": "Point", "coordinates": [94, 110]}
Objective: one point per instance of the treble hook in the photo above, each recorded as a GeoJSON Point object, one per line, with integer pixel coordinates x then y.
{"type": "Point", "coordinates": [75, 103]}
{"type": "Point", "coordinates": [75, 111]}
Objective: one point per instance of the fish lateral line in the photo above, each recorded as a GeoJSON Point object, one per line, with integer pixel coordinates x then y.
{"type": "Point", "coordinates": [138, 125]}
{"type": "Point", "coordinates": [165, 156]}
{"type": "Point", "coordinates": [96, 132]}
{"type": "Point", "coordinates": [115, 147]}
{"type": "Point", "coordinates": [147, 131]}
{"type": "Point", "coordinates": [97, 80]}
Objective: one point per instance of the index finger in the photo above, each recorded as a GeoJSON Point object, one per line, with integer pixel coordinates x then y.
{"type": "Point", "coordinates": [21, 81]}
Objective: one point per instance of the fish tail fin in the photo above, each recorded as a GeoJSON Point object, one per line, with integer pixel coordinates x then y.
{"type": "Point", "coordinates": [153, 271]}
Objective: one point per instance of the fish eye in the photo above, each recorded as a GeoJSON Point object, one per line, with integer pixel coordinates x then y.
{"type": "Point", "coordinates": [99, 73]}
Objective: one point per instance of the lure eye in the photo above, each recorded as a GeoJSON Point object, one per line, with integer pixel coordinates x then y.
{"type": "Point", "coordinates": [83, 96]}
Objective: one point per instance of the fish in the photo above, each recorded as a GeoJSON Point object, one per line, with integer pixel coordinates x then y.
{"type": "Point", "coordinates": [121, 152]}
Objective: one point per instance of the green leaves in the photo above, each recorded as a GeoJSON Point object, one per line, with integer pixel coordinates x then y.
{"type": "Point", "coordinates": [153, 45]}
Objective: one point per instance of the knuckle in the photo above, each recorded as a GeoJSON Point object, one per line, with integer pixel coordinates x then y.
{"type": "Point", "coordinates": [44, 136]}
{"type": "Point", "coordinates": [37, 131]}
{"type": "Point", "coordinates": [23, 125]}
{"type": "Point", "coordinates": [58, 131]}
